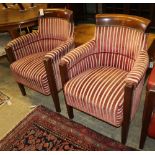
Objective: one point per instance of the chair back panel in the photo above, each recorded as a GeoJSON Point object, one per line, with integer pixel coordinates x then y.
{"type": "Point", "coordinates": [49, 44]}
{"type": "Point", "coordinates": [119, 46]}
{"type": "Point", "coordinates": [56, 24]}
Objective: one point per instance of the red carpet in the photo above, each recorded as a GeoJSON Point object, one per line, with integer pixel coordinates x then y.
{"type": "Point", "coordinates": [43, 129]}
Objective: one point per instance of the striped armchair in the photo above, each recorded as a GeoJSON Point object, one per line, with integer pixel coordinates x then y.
{"type": "Point", "coordinates": [35, 57]}
{"type": "Point", "coordinates": [105, 76]}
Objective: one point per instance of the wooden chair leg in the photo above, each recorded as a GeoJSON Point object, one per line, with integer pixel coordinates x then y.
{"type": "Point", "coordinates": [126, 113]}
{"type": "Point", "coordinates": [125, 130]}
{"type": "Point", "coordinates": [52, 83]}
{"type": "Point", "coordinates": [147, 112]}
{"type": "Point", "coordinates": [22, 89]}
{"type": "Point", "coordinates": [70, 111]}
{"type": "Point", "coordinates": [56, 101]}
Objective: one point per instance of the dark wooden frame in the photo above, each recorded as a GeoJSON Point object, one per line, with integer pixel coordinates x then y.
{"type": "Point", "coordinates": [47, 61]}
{"type": "Point", "coordinates": [129, 88]}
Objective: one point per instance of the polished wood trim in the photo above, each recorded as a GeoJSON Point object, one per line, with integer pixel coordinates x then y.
{"type": "Point", "coordinates": [63, 73]}
{"type": "Point", "coordinates": [128, 96]}
{"type": "Point", "coordinates": [123, 20]}
{"type": "Point", "coordinates": [69, 109]}
{"type": "Point", "coordinates": [147, 112]}
{"type": "Point", "coordinates": [52, 83]}
{"type": "Point", "coordinates": [59, 13]}
{"type": "Point", "coordinates": [64, 79]}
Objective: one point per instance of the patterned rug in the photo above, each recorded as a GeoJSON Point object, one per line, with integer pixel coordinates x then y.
{"type": "Point", "coordinates": [4, 98]}
{"type": "Point", "coordinates": [43, 129]}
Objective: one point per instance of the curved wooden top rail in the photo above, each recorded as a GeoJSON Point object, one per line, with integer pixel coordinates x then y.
{"type": "Point", "coordinates": [123, 20]}
{"type": "Point", "coordinates": [60, 13]}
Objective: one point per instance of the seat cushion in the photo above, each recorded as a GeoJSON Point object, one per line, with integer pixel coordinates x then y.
{"type": "Point", "coordinates": [30, 71]}
{"type": "Point", "coordinates": [99, 92]}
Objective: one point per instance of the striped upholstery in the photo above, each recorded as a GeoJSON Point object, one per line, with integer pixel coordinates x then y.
{"type": "Point", "coordinates": [80, 59]}
{"type": "Point", "coordinates": [139, 68]}
{"type": "Point", "coordinates": [26, 45]}
{"type": "Point", "coordinates": [56, 28]}
{"type": "Point", "coordinates": [30, 71]}
{"type": "Point", "coordinates": [99, 92]}
{"type": "Point", "coordinates": [119, 46]}
{"type": "Point", "coordinates": [53, 39]}
{"type": "Point", "coordinates": [100, 69]}
{"type": "Point", "coordinates": [56, 55]}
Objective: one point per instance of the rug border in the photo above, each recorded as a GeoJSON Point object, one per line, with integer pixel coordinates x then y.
{"type": "Point", "coordinates": [94, 135]}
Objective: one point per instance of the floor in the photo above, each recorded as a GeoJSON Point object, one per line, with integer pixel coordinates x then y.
{"type": "Point", "coordinates": [10, 115]}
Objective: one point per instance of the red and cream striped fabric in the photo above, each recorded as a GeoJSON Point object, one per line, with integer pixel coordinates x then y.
{"type": "Point", "coordinates": [99, 92]}
{"type": "Point", "coordinates": [53, 39]}
{"type": "Point", "coordinates": [30, 71]}
{"type": "Point", "coordinates": [119, 46]}
{"type": "Point", "coordinates": [138, 70]}
{"type": "Point", "coordinates": [100, 69]}
{"type": "Point", "coordinates": [80, 59]}
{"type": "Point", "coordinates": [56, 55]}
{"type": "Point", "coordinates": [26, 45]}
{"type": "Point", "coordinates": [56, 28]}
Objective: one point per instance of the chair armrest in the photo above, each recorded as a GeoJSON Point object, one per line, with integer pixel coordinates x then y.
{"type": "Point", "coordinates": [51, 62]}
{"type": "Point", "coordinates": [60, 51]}
{"type": "Point", "coordinates": [138, 70]}
{"type": "Point", "coordinates": [76, 60]}
{"type": "Point", "coordinates": [22, 46]}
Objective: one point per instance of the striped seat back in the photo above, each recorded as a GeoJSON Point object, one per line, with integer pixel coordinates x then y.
{"type": "Point", "coordinates": [119, 46]}
{"type": "Point", "coordinates": [55, 27]}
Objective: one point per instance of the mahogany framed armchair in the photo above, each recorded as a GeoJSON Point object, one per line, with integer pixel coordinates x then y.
{"type": "Point", "coordinates": [104, 77]}
{"type": "Point", "coordinates": [34, 57]}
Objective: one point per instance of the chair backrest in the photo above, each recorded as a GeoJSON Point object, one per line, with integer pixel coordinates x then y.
{"type": "Point", "coordinates": [56, 24]}
{"type": "Point", "coordinates": [119, 39]}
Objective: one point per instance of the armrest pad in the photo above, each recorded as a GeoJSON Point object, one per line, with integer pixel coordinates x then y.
{"type": "Point", "coordinates": [138, 70]}
{"type": "Point", "coordinates": [22, 41]}
{"type": "Point", "coordinates": [61, 50]}
{"type": "Point", "coordinates": [78, 53]}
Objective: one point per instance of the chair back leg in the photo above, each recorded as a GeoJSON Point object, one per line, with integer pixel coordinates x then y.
{"type": "Point", "coordinates": [126, 113]}
{"type": "Point", "coordinates": [69, 110]}
{"type": "Point", "coordinates": [22, 89]}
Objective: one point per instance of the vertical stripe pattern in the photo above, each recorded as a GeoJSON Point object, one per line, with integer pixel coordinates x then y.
{"type": "Point", "coordinates": [53, 39]}
{"type": "Point", "coordinates": [31, 73]}
{"type": "Point", "coordinates": [99, 92]}
{"type": "Point", "coordinates": [26, 45]}
{"type": "Point", "coordinates": [100, 69]}
{"type": "Point", "coordinates": [56, 28]}
{"type": "Point", "coordinates": [119, 46]}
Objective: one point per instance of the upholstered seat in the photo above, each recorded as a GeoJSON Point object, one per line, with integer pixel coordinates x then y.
{"type": "Point", "coordinates": [30, 71]}
{"type": "Point", "coordinates": [98, 91]}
